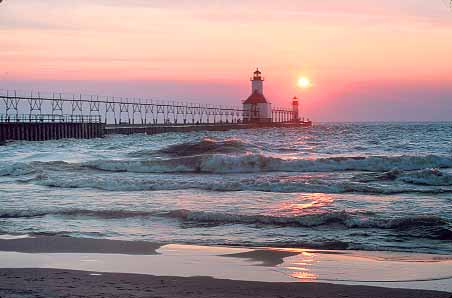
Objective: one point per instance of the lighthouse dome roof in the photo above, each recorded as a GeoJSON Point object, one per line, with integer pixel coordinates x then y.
{"type": "Point", "coordinates": [255, 98]}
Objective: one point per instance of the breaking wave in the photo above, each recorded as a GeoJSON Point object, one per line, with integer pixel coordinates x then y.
{"type": "Point", "coordinates": [251, 163]}
{"type": "Point", "coordinates": [428, 177]}
{"type": "Point", "coordinates": [367, 220]}
{"type": "Point", "coordinates": [255, 163]}
{"type": "Point", "coordinates": [432, 177]}
{"type": "Point", "coordinates": [202, 147]}
{"type": "Point", "coordinates": [22, 168]}
{"type": "Point", "coordinates": [348, 219]}
{"type": "Point", "coordinates": [263, 184]}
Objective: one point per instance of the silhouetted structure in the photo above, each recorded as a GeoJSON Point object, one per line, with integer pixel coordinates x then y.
{"type": "Point", "coordinates": [39, 116]}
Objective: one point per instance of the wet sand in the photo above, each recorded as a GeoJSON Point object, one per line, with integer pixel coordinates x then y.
{"type": "Point", "coordinates": [28, 283]}
{"type": "Point", "coordinates": [268, 258]}
{"type": "Point", "coordinates": [53, 244]}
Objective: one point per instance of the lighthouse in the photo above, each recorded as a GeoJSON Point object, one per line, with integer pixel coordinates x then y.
{"type": "Point", "coordinates": [295, 109]}
{"type": "Point", "coordinates": [257, 82]}
{"type": "Point", "coordinates": [256, 106]}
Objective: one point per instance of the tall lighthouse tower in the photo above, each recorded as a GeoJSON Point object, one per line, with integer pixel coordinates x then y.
{"type": "Point", "coordinates": [256, 106]}
{"type": "Point", "coordinates": [257, 82]}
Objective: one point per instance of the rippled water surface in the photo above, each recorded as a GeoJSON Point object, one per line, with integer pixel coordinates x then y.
{"type": "Point", "coordinates": [333, 186]}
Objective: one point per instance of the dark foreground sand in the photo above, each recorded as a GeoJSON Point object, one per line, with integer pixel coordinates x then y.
{"type": "Point", "coordinates": [48, 283]}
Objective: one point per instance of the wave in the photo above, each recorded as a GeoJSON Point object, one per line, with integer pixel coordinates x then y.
{"type": "Point", "coordinates": [113, 183]}
{"type": "Point", "coordinates": [16, 169]}
{"type": "Point", "coordinates": [428, 177]}
{"type": "Point", "coordinates": [202, 147]}
{"type": "Point", "coordinates": [349, 219]}
{"type": "Point", "coordinates": [432, 177]}
{"type": "Point", "coordinates": [37, 167]}
{"type": "Point", "coordinates": [104, 214]}
{"type": "Point", "coordinates": [291, 184]}
{"type": "Point", "coordinates": [9, 214]}
{"type": "Point", "coordinates": [251, 163]}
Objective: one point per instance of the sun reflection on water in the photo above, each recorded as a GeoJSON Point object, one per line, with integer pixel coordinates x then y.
{"type": "Point", "coordinates": [303, 268]}
{"type": "Point", "coordinates": [301, 265]}
{"type": "Point", "coordinates": [311, 203]}
{"type": "Point", "coordinates": [305, 276]}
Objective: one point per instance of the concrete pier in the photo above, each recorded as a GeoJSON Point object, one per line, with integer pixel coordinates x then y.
{"type": "Point", "coordinates": [55, 131]}
{"type": "Point", "coordinates": [157, 129]}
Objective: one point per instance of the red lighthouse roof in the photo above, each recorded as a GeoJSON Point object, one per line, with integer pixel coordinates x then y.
{"type": "Point", "coordinates": [255, 98]}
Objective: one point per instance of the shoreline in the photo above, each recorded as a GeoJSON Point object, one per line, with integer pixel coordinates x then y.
{"type": "Point", "coordinates": [82, 259]}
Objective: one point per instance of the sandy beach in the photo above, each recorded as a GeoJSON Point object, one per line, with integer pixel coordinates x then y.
{"type": "Point", "coordinates": [71, 267]}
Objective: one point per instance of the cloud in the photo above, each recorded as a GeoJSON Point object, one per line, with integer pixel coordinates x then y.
{"type": "Point", "coordinates": [110, 15]}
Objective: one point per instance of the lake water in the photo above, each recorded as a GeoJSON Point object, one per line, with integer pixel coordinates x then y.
{"type": "Point", "coordinates": [374, 186]}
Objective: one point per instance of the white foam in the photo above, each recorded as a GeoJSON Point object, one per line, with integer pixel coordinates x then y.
{"type": "Point", "coordinates": [12, 237]}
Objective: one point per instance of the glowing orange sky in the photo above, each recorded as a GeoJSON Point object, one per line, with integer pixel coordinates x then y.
{"type": "Point", "coordinates": [340, 45]}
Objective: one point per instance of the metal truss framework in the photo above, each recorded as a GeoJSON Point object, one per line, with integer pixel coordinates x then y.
{"type": "Point", "coordinates": [115, 110]}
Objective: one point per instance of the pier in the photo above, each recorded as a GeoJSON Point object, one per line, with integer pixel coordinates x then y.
{"type": "Point", "coordinates": [37, 116]}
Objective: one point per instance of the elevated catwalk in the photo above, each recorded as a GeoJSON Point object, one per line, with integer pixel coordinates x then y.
{"type": "Point", "coordinates": [39, 117]}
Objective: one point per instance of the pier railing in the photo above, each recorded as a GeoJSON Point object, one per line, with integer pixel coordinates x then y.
{"type": "Point", "coordinates": [282, 115]}
{"type": "Point", "coordinates": [32, 106]}
{"type": "Point", "coordinates": [49, 118]}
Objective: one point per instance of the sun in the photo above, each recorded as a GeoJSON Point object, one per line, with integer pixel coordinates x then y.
{"type": "Point", "coordinates": [304, 82]}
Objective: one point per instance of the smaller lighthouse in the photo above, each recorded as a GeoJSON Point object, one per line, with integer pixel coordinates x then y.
{"type": "Point", "coordinates": [296, 109]}
{"type": "Point", "coordinates": [256, 106]}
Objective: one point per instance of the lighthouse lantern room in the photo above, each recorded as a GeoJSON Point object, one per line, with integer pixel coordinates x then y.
{"type": "Point", "coordinates": [256, 106]}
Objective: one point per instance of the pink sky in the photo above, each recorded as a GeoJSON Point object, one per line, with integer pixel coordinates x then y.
{"type": "Point", "coordinates": [369, 60]}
